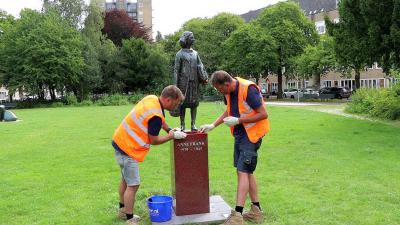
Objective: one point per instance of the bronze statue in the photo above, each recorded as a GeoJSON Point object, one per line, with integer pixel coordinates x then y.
{"type": "Point", "coordinates": [189, 73]}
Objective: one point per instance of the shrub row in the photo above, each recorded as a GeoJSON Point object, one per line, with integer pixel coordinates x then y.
{"type": "Point", "coordinates": [380, 103]}
{"type": "Point", "coordinates": [71, 100]}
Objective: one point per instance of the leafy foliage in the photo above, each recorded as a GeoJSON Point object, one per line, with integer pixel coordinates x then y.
{"type": "Point", "coordinates": [71, 10]}
{"type": "Point", "coordinates": [250, 51]}
{"type": "Point", "coordinates": [381, 103]}
{"type": "Point", "coordinates": [316, 61]}
{"type": "Point", "coordinates": [119, 26]}
{"type": "Point", "coordinates": [292, 32]}
{"type": "Point", "coordinates": [140, 66]}
{"type": "Point", "coordinates": [36, 58]}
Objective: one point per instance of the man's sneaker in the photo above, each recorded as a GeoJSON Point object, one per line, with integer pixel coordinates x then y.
{"type": "Point", "coordinates": [255, 215]}
{"type": "Point", "coordinates": [235, 218]}
{"type": "Point", "coordinates": [121, 214]}
{"type": "Point", "coordinates": [133, 221]}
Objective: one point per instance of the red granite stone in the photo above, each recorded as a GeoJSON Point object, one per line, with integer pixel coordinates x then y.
{"type": "Point", "coordinates": [189, 160]}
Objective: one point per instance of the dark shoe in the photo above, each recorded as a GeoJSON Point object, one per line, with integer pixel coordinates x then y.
{"type": "Point", "coordinates": [234, 219]}
{"type": "Point", "coordinates": [255, 215]}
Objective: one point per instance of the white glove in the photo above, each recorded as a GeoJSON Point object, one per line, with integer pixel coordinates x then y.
{"type": "Point", "coordinates": [206, 128]}
{"type": "Point", "coordinates": [179, 135]}
{"type": "Point", "coordinates": [231, 121]}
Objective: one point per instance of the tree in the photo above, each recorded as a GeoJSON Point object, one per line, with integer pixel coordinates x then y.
{"type": "Point", "coordinates": [210, 34]}
{"type": "Point", "coordinates": [292, 32]}
{"type": "Point", "coordinates": [119, 26]}
{"type": "Point", "coordinates": [93, 25]}
{"type": "Point", "coordinates": [71, 10]}
{"type": "Point", "coordinates": [316, 61]}
{"type": "Point", "coordinates": [351, 43]}
{"type": "Point", "coordinates": [5, 22]}
{"type": "Point", "coordinates": [382, 19]}
{"type": "Point", "coordinates": [250, 51]}
{"type": "Point", "coordinates": [140, 66]}
{"type": "Point", "coordinates": [91, 77]}
{"type": "Point", "coordinates": [38, 58]}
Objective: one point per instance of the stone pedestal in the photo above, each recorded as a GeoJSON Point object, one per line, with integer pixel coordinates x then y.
{"type": "Point", "coordinates": [189, 160]}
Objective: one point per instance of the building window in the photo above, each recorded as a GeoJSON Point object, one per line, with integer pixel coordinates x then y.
{"type": "Point", "coordinates": [131, 8]}
{"type": "Point", "coordinates": [291, 84]}
{"type": "Point", "coordinates": [327, 83]}
{"type": "Point", "coordinates": [320, 25]}
{"type": "Point", "coordinates": [306, 84]}
{"type": "Point", "coordinates": [274, 86]}
{"type": "Point", "coordinates": [2, 95]}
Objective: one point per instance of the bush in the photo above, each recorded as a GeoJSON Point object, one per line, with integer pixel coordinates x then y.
{"type": "Point", "coordinates": [57, 104]}
{"type": "Point", "coordinates": [135, 98]}
{"type": "Point", "coordinates": [362, 101]}
{"type": "Point", "coordinates": [380, 103]}
{"type": "Point", "coordinates": [110, 100]}
{"type": "Point", "coordinates": [70, 99]}
{"type": "Point", "coordinates": [85, 103]}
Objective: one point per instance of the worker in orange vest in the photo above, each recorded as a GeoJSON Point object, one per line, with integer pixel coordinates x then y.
{"type": "Point", "coordinates": [132, 140]}
{"type": "Point", "coordinates": [248, 120]}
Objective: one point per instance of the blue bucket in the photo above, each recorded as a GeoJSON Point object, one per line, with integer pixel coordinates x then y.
{"type": "Point", "coordinates": [160, 208]}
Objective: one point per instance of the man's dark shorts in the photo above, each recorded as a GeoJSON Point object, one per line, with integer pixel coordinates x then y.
{"type": "Point", "coordinates": [245, 154]}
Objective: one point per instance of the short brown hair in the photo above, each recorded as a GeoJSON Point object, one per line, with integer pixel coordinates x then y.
{"type": "Point", "coordinates": [220, 77]}
{"type": "Point", "coordinates": [172, 92]}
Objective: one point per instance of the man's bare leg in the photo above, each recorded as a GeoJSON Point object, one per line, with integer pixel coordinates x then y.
{"type": "Point", "coordinates": [253, 188]}
{"type": "Point", "coordinates": [129, 198]}
{"type": "Point", "coordinates": [242, 188]}
{"type": "Point", "coordinates": [122, 188]}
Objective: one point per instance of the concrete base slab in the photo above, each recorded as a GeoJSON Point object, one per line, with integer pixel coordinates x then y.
{"type": "Point", "coordinates": [219, 212]}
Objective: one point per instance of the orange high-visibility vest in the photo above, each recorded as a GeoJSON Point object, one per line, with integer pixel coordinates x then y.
{"type": "Point", "coordinates": [132, 134]}
{"type": "Point", "coordinates": [256, 130]}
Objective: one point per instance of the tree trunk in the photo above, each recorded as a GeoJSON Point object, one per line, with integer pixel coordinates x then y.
{"type": "Point", "coordinates": [52, 94]}
{"type": "Point", "coordinates": [41, 92]}
{"type": "Point", "coordinates": [317, 81]}
{"type": "Point", "coordinates": [280, 92]}
{"type": "Point", "coordinates": [357, 79]}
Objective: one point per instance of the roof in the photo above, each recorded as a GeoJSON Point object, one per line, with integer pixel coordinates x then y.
{"type": "Point", "coordinates": [313, 7]}
{"type": "Point", "coordinates": [309, 7]}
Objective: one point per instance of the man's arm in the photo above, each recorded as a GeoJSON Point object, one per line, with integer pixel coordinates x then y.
{"type": "Point", "coordinates": [166, 127]}
{"type": "Point", "coordinates": [154, 126]}
{"type": "Point", "coordinates": [220, 119]}
{"type": "Point", "coordinates": [157, 140]}
{"type": "Point", "coordinates": [261, 114]}
{"type": "Point", "coordinates": [254, 99]}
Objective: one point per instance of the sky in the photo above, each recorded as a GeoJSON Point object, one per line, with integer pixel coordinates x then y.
{"type": "Point", "coordinates": [168, 15]}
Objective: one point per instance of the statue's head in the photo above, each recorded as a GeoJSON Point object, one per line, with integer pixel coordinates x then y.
{"type": "Point", "coordinates": [187, 39]}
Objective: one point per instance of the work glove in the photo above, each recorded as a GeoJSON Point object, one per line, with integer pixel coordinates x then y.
{"type": "Point", "coordinates": [206, 128]}
{"type": "Point", "coordinates": [179, 134]}
{"type": "Point", "coordinates": [231, 121]}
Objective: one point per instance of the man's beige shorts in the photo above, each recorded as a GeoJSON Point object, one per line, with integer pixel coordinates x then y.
{"type": "Point", "coordinates": [129, 169]}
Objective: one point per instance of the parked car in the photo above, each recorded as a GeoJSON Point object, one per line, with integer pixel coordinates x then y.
{"type": "Point", "coordinates": [291, 93]}
{"type": "Point", "coordinates": [336, 92]}
{"type": "Point", "coordinates": [264, 93]}
{"type": "Point", "coordinates": [309, 91]}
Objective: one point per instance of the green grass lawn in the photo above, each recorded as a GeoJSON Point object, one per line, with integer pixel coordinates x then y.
{"type": "Point", "coordinates": [57, 167]}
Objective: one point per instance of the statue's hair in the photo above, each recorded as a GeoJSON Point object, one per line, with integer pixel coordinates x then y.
{"type": "Point", "coordinates": [172, 92]}
{"type": "Point", "coordinates": [183, 40]}
{"type": "Point", "coordinates": [220, 77]}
